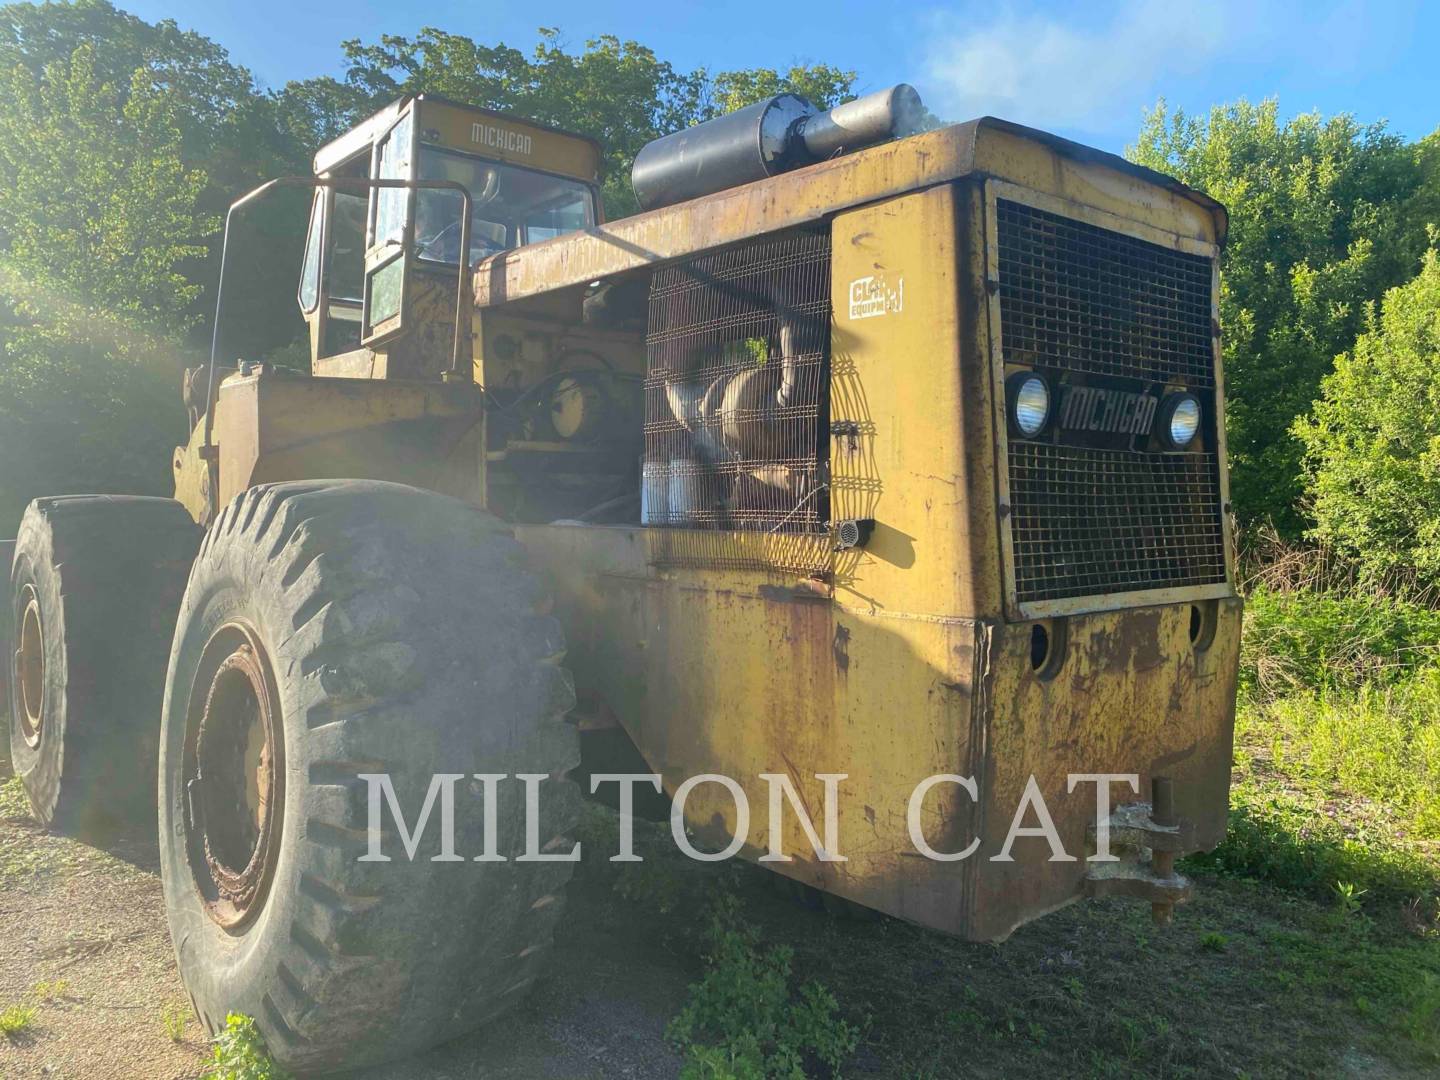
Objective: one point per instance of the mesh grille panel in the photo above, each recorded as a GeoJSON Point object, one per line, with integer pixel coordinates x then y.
{"type": "Point", "coordinates": [1082, 298]}
{"type": "Point", "coordinates": [1089, 521]}
{"type": "Point", "coordinates": [1085, 521]}
{"type": "Point", "coordinates": [737, 355]}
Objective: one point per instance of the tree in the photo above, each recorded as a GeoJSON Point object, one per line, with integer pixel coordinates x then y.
{"type": "Point", "coordinates": [1372, 447]}
{"type": "Point", "coordinates": [97, 209]}
{"type": "Point", "coordinates": [1318, 228]}
{"type": "Point", "coordinates": [822, 85]}
{"type": "Point", "coordinates": [230, 131]}
{"type": "Point", "coordinates": [98, 218]}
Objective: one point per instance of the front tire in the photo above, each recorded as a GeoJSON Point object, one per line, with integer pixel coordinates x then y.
{"type": "Point", "coordinates": [95, 583]}
{"type": "Point", "coordinates": [332, 629]}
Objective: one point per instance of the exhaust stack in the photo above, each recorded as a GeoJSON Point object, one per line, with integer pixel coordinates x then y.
{"type": "Point", "coordinates": [771, 136]}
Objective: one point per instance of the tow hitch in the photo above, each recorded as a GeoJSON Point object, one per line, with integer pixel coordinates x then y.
{"type": "Point", "coordinates": [1146, 837]}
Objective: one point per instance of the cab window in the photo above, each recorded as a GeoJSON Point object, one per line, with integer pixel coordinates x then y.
{"type": "Point", "coordinates": [309, 292]}
{"type": "Point", "coordinates": [511, 206]}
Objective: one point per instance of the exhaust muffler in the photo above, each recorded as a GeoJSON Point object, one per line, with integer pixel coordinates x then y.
{"type": "Point", "coordinates": [768, 137]}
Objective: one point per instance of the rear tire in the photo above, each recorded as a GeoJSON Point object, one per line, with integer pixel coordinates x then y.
{"type": "Point", "coordinates": [398, 634]}
{"type": "Point", "coordinates": [95, 583]}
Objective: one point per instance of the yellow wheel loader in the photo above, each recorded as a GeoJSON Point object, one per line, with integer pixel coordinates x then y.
{"type": "Point", "coordinates": [870, 482]}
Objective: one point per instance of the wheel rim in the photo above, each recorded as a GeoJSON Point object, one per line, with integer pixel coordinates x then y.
{"type": "Point", "coordinates": [234, 776]}
{"type": "Point", "coordinates": [30, 670]}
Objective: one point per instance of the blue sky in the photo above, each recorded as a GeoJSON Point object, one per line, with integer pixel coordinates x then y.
{"type": "Point", "coordinates": [1082, 70]}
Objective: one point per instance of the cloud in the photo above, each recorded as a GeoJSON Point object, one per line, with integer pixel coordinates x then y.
{"type": "Point", "coordinates": [1072, 72]}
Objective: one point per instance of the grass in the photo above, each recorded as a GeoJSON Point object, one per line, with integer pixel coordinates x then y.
{"type": "Point", "coordinates": [17, 1020]}
{"type": "Point", "coordinates": [174, 1018]}
{"type": "Point", "coordinates": [14, 805]}
{"type": "Point", "coordinates": [1337, 764]}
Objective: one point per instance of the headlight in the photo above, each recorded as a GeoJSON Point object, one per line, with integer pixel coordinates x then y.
{"type": "Point", "coordinates": [1028, 403]}
{"type": "Point", "coordinates": [1179, 420]}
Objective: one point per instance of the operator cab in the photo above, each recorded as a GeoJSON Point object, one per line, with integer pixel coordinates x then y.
{"type": "Point", "coordinates": [380, 262]}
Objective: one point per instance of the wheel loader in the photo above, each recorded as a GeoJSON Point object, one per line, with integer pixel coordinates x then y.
{"type": "Point", "coordinates": [882, 467]}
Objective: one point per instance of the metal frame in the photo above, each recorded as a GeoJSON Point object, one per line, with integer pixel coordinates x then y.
{"type": "Point", "coordinates": [1078, 605]}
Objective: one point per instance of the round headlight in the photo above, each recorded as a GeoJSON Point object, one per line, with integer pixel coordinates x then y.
{"type": "Point", "coordinates": [1179, 420]}
{"type": "Point", "coordinates": [1029, 397]}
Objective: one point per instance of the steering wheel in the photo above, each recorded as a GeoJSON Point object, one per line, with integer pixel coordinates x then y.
{"type": "Point", "coordinates": [444, 246]}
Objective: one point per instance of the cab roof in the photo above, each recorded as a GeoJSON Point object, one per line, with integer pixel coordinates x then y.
{"type": "Point", "coordinates": [362, 135]}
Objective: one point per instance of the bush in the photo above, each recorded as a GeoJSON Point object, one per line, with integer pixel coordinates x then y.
{"type": "Point", "coordinates": [78, 418]}
{"type": "Point", "coordinates": [1372, 445]}
{"type": "Point", "coordinates": [744, 1023]}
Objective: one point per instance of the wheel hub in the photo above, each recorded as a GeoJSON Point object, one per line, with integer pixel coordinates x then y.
{"type": "Point", "coordinates": [30, 669]}
{"type": "Point", "coordinates": [234, 776]}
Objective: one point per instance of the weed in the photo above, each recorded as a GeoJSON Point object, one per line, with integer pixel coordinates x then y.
{"type": "Point", "coordinates": [1347, 897]}
{"type": "Point", "coordinates": [239, 1054]}
{"type": "Point", "coordinates": [174, 1018]}
{"type": "Point", "coordinates": [1214, 942]}
{"type": "Point", "coordinates": [744, 1021]}
{"type": "Point", "coordinates": [16, 1021]}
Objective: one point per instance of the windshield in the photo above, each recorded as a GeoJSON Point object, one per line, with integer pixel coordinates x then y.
{"type": "Point", "coordinates": [511, 206]}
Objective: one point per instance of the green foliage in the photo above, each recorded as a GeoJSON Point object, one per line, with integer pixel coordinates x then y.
{"type": "Point", "coordinates": [1307, 640]}
{"type": "Point", "coordinates": [99, 220]}
{"type": "Point", "coordinates": [744, 1022]}
{"type": "Point", "coordinates": [240, 1054]}
{"type": "Point", "coordinates": [1378, 743]}
{"type": "Point", "coordinates": [191, 70]}
{"type": "Point", "coordinates": [230, 132]}
{"type": "Point", "coordinates": [1337, 747]}
{"type": "Point", "coordinates": [822, 85]}
{"type": "Point", "coordinates": [1294, 841]}
{"type": "Point", "coordinates": [1322, 221]}
{"type": "Point", "coordinates": [97, 209]}
{"type": "Point", "coordinates": [1373, 443]}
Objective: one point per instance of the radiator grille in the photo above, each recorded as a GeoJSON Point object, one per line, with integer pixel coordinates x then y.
{"type": "Point", "coordinates": [1087, 521]}
{"type": "Point", "coordinates": [735, 392]}
{"type": "Point", "coordinates": [1086, 299]}
{"type": "Point", "coordinates": [1079, 300]}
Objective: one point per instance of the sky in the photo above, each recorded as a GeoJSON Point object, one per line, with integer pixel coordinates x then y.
{"type": "Point", "coordinates": [1086, 71]}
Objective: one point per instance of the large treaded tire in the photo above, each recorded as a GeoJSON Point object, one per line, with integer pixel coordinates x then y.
{"type": "Point", "coordinates": [405, 637]}
{"type": "Point", "coordinates": [106, 573]}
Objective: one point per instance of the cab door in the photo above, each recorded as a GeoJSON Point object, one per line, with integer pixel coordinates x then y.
{"type": "Point", "coordinates": [387, 256]}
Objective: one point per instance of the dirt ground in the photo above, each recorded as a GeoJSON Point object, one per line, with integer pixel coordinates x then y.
{"type": "Point", "coordinates": [82, 934]}
{"type": "Point", "coordinates": [1242, 986]}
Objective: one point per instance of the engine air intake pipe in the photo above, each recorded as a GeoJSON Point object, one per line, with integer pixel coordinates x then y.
{"type": "Point", "coordinates": [768, 137]}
